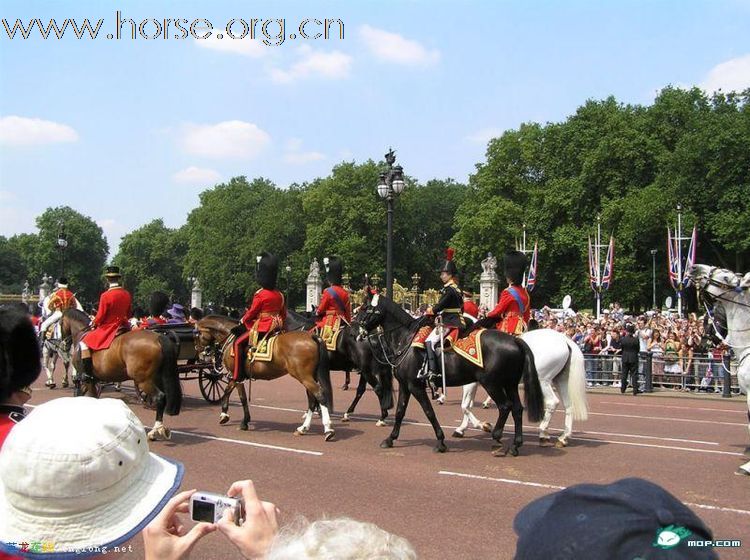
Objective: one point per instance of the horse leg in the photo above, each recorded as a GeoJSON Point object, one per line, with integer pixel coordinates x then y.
{"type": "Point", "coordinates": [307, 417]}
{"type": "Point", "coordinates": [504, 407]}
{"type": "Point", "coordinates": [403, 402]}
{"type": "Point", "coordinates": [50, 361]}
{"type": "Point", "coordinates": [517, 412]}
{"type": "Point", "coordinates": [550, 404]}
{"type": "Point", "coordinates": [224, 416]}
{"type": "Point", "coordinates": [361, 388]}
{"type": "Point", "coordinates": [159, 431]}
{"type": "Point", "coordinates": [347, 380]}
{"type": "Point", "coordinates": [244, 399]}
{"type": "Point", "coordinates": [564, 439]}
{"type": "Point", "coordinates": [420, 393]}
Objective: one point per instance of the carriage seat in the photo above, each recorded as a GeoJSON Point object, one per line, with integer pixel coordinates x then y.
{"type": "Point", "coordinates": [182, 334]}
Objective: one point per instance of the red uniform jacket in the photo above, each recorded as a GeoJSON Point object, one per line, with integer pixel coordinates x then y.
{"type": "Point", "coordinates": [471, 308]}
{"type": "Point", "coordinates": [268, 310]}
{"type": "Point", "coordinates": [114, 312]}
{"type": "Point", "coordinates": [508, 312]}
{"type": "Point", "coordinates": [62, 299]}
{"type": "Point", "coordinates": [330, 306]}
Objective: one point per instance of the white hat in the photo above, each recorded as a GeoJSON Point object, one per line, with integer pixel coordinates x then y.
{"type": "Point", "coordinates": [77, 473]}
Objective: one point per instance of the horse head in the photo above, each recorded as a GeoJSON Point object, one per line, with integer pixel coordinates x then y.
{"type": "Point", "coordinates": [73, 323]}
{"type": "Point", "coordinates": [211, 330]}
{"type": "Point", "coordinates": [372, 314]}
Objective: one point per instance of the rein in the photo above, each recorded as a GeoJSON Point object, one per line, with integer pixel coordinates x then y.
{"type": "Point", "coordinates": [398, 356]}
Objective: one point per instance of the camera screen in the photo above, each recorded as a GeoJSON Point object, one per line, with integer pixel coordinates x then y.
{"type": "Point", "coordinates": [203, 511]}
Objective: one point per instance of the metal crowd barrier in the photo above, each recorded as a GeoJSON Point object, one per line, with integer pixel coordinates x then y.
{"type": "Point", "coordinates": [701, 373]}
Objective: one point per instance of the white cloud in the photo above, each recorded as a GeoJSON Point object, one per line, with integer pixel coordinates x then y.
{"type": "Point", "coordinates": [22, 131]}
{"type": "Point", "coordinates": [196, 175]}
{"type": "Point", "coordinates": [333, 65]}
{"type": "Point", "coordinates": [245, 47]}
{"type": "Point", "coordinates": [732, 75]}
{"type": "Point", "coordinates": [228, 139]}
{"type": "Point", "coordinates": [113, 231]}
{"type": "Point", "coordinates": [484, 135]}
{"type": "Point", "coordinates": [295, 156]}
{"type": "Point", "coordinates": [392, 47]}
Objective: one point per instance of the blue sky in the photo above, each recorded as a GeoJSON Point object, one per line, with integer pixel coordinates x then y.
{"type": "Point", "coordinates": [127, 131]}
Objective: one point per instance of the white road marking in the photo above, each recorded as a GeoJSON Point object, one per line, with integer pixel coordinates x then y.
{"type": "Point", "coordinates": [554, 487]}
{"type": "Point", "coordinates": [668, 419]}
{"type": "Point", "coordinates": [645, 437]}
{"type": "Point", "coordinates": [250, 443]}
{"type": "Point", "coordinates": [675, 407]}
{"type": "Point", "coordinates": [653, 445]}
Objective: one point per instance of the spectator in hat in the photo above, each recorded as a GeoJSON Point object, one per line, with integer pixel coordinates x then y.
{"type": "Point", "coordinates": [176, 314]}
{"type": "Point", "coordinates": [629, 518]}
{"type": "Point", "coordinates": [20, 364]}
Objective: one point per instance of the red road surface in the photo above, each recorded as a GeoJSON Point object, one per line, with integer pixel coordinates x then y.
{"type": "Point", "coordinates": [458, 505]}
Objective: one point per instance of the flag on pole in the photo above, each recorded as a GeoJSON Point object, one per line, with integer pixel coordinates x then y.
{"type": "Point", "coordinates": [593, 268]}
{"type": "Point", "coordinates": [531, 280]}
{"type": "Point", "coordinates": [686, 280]}
{"type": "Point", "coordinates": [608, 275]}
{"type": "Point", "coordinates": [672, 256]}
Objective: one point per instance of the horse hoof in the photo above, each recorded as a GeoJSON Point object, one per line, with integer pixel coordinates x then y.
{"type": "Point", "coordinates": [486, 427]}
{"type": "Point", "coordinates": [440, 448]}
{"type": "Point", "coordinates": [544, 442]}
{"type": "Point", "coordinates": [457, 434]}
{"type": "Point", "coordinates": [50, 385]}
{"type": "Point", "coordinates": [345, 417]}
{"type": "Point", "coordinates": [167, 433]}
{"type": "Point", "coordinates": [328, 436]}
{"type": "Point", "coordinates": [345, 387]}
{"type": "Point", "coordinates": [243, 427]}
{"type": "Point", "coordinates": [500, 452]}
{"type": "Point", "coordinates": [300, 431]}
{"type": "Point", "coordinates": [514, 451]}
{"type": "Point", "coordinates": [741, 472]}
{"type": "Point", "coordinates": [381, 423]}
{"type": "Point", "coordinates": [386, 443]}
{"type": "Point", "coordinates": [223, 418]}
{"type": "Point", "coordinates": [65, 384]}
{"type": "Point", "coordinates": [560, 444]}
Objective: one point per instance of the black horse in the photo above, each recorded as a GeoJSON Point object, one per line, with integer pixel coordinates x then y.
{"type": "Point", "coordinates": [353, 353]}
{"type": "Point", "coordinates": [507, 359]}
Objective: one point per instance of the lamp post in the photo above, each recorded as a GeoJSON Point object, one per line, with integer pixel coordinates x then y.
{"type": "Point", "coordinates": [288, 272]}
{"type": "Point", "coordinates": [391, 185]}
{"type": "Point", "coordinates": [62, 244]}
{"type": "Point", "coordinates": [653, 278]}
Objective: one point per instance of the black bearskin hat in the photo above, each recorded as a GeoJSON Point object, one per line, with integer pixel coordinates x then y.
{"type": "Point", "coordinates": [515, 263]}
{"type": "Point", "coordinates": [20, 357]}
{"type": "Point", "coordinates": [267, 270]}
{"type": "Point", "coordinates": [449, 266]}
{"type": "Point", "coordinates": [158, 303]}
{"type": "Point", "coordinates": [334, 270]}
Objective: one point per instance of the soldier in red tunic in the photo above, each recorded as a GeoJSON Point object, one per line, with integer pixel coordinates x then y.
{"type": "Point", "coordinates": [266, 313]}
{"type": "Point", "coordinates": [513, 311]}
{"type": "Point", "coordinates": [471, 309]}
{"type": "Point", "coordinates": [58, 303]}
{"type": "Point", "coordinates": [157, 307]}
{"type": "Point", "coordinates": [114, 312]}
{"type": "Point", "coordinates": [334, 304]}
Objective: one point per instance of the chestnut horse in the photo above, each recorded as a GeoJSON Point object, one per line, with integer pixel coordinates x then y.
{"type": "Point", "coordinates": [146, 357]}
{"type": "Point", "coordinates": [299, 354]}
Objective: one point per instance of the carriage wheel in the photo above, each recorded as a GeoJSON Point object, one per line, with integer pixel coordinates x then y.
{"type": "Point", "coordinates": [212, 384]}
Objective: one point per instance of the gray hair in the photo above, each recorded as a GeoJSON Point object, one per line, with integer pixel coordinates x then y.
{"type": "Point", "coordinates": [338, 539]}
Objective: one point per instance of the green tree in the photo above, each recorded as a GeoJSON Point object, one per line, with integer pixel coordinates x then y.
{"type": "Point", "coordinates": [13, 271]}
{"type": "Point", "coordinates": [151, 258]}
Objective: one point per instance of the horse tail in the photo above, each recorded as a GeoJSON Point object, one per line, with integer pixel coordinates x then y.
{"type": "Point", "coordinates": [532, 389]}
{"type": "Point", "coordinates": [577, 381]}
{"type": "Point", "coordinates": [324, 374]}
{"type": "Point", "coordinates": [170, 380]}
{"type": "Point", "coordinates": [385, 375]}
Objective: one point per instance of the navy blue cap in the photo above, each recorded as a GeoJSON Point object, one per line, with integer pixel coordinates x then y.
{"type": "Point", "coordinates": [630, 518]}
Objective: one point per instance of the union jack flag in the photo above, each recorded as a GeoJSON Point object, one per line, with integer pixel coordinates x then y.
{"type": "Point", "coordinates": [686, 280]}
{"type": "Point", "coordinates": [673, 260]}
{"type": "Point", "coordinates": [593, 268]}
{"type": "Point", "coordinates": [531, 279]}
{"type": "Point", "coordinates": [609, 264]}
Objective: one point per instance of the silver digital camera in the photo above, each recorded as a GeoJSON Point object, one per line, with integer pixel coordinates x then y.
{"type": "Point", "coordinates": [208, 507]}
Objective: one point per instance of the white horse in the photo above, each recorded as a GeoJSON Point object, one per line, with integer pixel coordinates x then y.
{"type": "Point", "coordinates": [559, 363]}
{"type": "Point", "coordinates": [733, 291]}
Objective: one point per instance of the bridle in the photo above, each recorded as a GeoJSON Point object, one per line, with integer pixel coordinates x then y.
{"type": "Point", "coordinates": [396, 358]}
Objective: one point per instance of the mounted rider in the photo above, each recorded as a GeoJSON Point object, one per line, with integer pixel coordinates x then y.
{"type": "Point", "coordinates": [513, 310]}
{"type": "Point", "coordinates": [112, 318]}
{"type": "Point", "coordinates": [265, 315]}
{"type": "Point", "coordinates": [334, 304]}
{"type": "Point", "coordinates": [56, 304]}
{"type": "Point", "coordinates": [449, 308]}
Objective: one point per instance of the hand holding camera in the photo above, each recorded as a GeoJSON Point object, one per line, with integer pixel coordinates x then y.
{"type": "Point", "coordinates": [254, 536]}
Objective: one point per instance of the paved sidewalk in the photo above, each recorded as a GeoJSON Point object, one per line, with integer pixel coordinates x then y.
{"type": "Point", "coordinates": [669, 393]}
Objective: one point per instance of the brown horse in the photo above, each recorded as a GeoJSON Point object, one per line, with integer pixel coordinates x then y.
{"type": "Point", "coordinates": [146, 357]}
{"type": "Point", "coordinates": [299, 354]}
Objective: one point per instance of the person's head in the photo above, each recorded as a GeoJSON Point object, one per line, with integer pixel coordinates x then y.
{"type": "Point", "coordinates": [176, 312]}
{"type": "Point", "coordinates": [449, 270]}
{"type": "Point", "coordinates": [671, 335]}
{"type": "Point", "coordinates": [77, 472]}
{"type": "Point", "coordinates": [656, 335]}
{"type": "Point", "coordinates": [615, 333]}
{"type": "Point", "coordinates": [629, 328]}
{"type": "Point", "coordinates": [267, 270]}
{"type": "Point", "coordinates": [334, 270]}
{"type": "Point", "coordinates": [514, 263]}
{"type": "Point", "coordinates": [629, 518]}
{"type": "Point", "coordinates": [158, 302]}
{"type": "Point", "coordinates": [20, 358]}
{"type": "Point", "coordinates": [196, 314]}
{"type": "Point", "coordinates": [338, 538]}
{"type": "Point", "coordinates": [62, 282]}
{"type": "Point", "coordinates": [112, 275]}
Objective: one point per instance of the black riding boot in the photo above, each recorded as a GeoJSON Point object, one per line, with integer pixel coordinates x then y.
{"type": "Point", "coordinates": [86, 376]}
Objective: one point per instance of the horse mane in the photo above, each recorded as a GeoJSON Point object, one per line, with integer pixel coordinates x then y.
{"type": "Point", "coordinates": [78, 316]}
{"type": "Point", "coordinates": [220, 320]}
{"type": "Point", "coordinates": [397, 312]}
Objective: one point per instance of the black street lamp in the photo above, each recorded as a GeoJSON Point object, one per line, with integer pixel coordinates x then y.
{"type": "Point", "coordinates": [653, 279]}
{"type": "Point", "coordinates": [391, 185]}
{"type": "Point", "coordinates": [62, 244]}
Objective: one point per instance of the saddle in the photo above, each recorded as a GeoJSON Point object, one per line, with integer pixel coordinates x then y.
{"type": "Point", "coordinates": [330, 332]}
